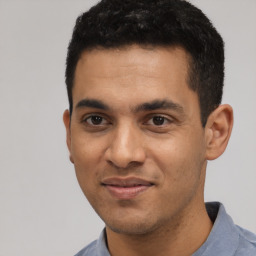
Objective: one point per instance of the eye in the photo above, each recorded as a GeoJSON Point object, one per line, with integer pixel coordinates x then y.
{"type": "Point", "coordinates": [95, 120]}
{"type": "Point", "coordinates": [158, 121]}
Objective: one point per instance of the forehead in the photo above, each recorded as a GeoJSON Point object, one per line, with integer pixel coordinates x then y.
{"type": "Point", "coordinates": [150, 61]}
{"type": "Point", "coordinates": [132, 74]}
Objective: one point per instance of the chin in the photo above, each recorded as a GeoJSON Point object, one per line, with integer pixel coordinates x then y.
{"type": "Point", "coordinates": [133, 227]}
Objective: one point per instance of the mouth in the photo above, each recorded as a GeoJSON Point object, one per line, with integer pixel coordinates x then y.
{"type": "Point", "coordinates": [127, 188]}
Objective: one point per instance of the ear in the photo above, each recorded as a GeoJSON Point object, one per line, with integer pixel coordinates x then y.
{"type": "Point", "coordinates": [218, 130]}
{"type": "Point", "coordinates": [66, 120]}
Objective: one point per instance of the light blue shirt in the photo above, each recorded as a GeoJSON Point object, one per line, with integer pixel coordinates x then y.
{"type": "Point", "coordinates": [225, 239]}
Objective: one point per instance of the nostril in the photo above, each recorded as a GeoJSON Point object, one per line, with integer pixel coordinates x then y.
{"type": "Point", "coordinates": [130, 166]}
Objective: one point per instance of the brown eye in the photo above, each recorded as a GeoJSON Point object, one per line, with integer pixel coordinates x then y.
{"type": "Point", "coordinates": [158, 120]}
{"type": "Point", "coordinates": [95, 120]}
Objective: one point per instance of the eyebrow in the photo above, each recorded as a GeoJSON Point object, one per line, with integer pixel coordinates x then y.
{"type": "Point", "coordinates": [159, 104]}
{"type": "Point", "coordinates": [92, 103]}
{"type": "Point", "coordinates": [147, 106]}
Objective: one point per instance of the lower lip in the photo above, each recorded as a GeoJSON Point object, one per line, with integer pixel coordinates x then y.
{"type": "Point", "coordinates": [126, 192]}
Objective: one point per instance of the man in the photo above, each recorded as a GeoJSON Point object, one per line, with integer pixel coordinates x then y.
{"type": "Point", "coordinates": [144, 81]}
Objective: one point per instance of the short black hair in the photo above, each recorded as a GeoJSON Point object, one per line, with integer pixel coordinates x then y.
{"type": "Point", "coordinates": [120, 23]}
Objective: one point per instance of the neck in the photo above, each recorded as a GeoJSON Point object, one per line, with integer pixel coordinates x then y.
{"type": "Point", "coordinates": [181, 237]}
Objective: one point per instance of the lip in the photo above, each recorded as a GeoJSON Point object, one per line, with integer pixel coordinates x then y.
{"type": "Point", "coordinates": [126, 188]}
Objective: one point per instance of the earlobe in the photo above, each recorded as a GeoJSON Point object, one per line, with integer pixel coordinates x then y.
{"type": "Point", "coordinates": [218, 130]}
{"type": "Point", "coordinates": [66, 120]}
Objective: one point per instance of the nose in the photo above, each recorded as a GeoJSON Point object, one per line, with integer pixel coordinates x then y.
{"type": "Point", "coordinates": [126, 147]}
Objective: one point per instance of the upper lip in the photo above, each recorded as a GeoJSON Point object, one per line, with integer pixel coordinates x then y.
{"type": "Point", "coordinates": [125, 182]}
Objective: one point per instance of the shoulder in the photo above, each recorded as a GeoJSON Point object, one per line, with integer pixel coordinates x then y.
{"type": "Point", "coordinates": [247, 243]}
{"type": "Point", "coordinates": [96, 248]}
{"type": "Point", "coordinates": [89, 250]}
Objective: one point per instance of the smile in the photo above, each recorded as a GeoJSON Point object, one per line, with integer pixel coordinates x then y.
{"type": "Point", "coordinates": [126, 188]}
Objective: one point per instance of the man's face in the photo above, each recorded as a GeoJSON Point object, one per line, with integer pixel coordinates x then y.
{"type": "Point", "coordinates": [136, 138]}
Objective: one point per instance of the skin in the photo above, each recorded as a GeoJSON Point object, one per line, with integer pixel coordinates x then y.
{"type": "Point", "coordinates": [165, 146]}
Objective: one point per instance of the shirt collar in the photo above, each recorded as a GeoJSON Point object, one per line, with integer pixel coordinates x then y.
{"type": "Point", "coordinates": [101, 246]}
{"type": "Point", "coordinates": [222, 240]}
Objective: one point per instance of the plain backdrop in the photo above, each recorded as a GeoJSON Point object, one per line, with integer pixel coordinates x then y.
{"type": "Point", "coordinates": [42, 209]}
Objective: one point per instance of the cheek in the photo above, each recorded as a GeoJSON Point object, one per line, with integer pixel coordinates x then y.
{"type": "Point", "coordinates": [86, 150]}
{"type": "Point", "coordinates": [86, 155]}
{"type": "Point", "coordinates": [179, 158]}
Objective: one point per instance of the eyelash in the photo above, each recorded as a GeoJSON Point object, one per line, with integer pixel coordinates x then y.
{"type": "Point", "coordinates": [85, 120]}
{"type": "Point", "coordinates": [164, 119]}
{"type": "Point", "coordinates": [149, 122]}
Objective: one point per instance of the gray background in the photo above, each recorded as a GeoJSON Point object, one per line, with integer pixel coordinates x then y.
{"type": "Point", "coordinates": [42, 210]}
